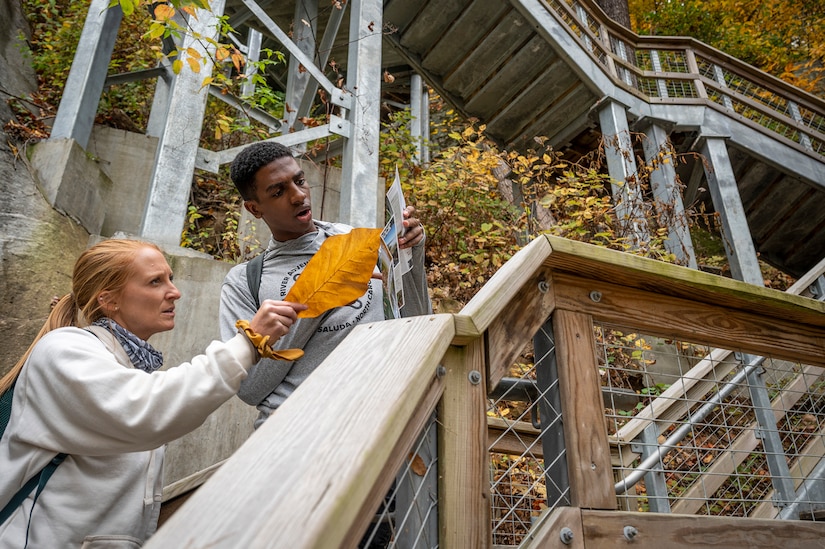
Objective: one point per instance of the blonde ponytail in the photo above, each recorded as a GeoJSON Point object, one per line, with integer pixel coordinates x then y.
{"type": "Point", "coordinates": [62, 314]}
{"type": "Point", "coordinates": [105, 266]}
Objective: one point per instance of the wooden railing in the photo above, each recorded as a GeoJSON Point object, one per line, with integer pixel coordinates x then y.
{"type": "Point", "coordinates": [316, 471]}
{"type": "Point", "coordinates": [683, 70]}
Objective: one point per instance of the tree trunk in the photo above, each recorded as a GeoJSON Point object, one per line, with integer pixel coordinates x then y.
{"type": "Point", "coordinates": [617, 10]}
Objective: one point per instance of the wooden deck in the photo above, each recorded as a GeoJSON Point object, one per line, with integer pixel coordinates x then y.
{"type": "Point", "coordinates": [313, 475]}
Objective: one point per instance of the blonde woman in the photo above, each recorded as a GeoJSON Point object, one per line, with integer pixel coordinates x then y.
{"type": "Point", "coordinates": [89, 387]}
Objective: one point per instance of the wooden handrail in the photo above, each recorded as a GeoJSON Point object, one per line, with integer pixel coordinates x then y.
{"type": "Point", "coordinates": [316, 471]}
{"type": "Point", "coordinates": [313, 474]}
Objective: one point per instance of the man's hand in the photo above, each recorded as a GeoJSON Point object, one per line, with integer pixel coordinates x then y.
{"type": "Point", "coordinates": [414, 230]}
{"type": "Point", "coordinates": [274, 318]}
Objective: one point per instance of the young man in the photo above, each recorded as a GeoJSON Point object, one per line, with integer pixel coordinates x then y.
{"type": "Point", "coordinates": [274, 189]}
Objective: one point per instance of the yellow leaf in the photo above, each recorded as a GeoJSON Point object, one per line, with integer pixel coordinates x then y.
{"type": "Point", "coordinates": [164, 12]}
{"type": "Point", "coordinates": [221, 54]}
{"type": "Point", "coordinates": [338, 273]}
{"type": "Point", "coordinates": [156, 30]}
{"type": "Point", "coordinates": [194, 65]}
{"type": "Point", "coordinates": [193, 53]}
{"type": "Point", "coordinates": [177, 65]}
{"type": "Point", "coordinates": [237, 59]}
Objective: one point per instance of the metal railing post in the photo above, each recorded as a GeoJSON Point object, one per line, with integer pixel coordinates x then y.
{"type": "Point", "coordinates": [655, 484]}
{"type": "Point", "coordinates": [552, 432]}
{"type": "Point", "coordinates": [768, 433]}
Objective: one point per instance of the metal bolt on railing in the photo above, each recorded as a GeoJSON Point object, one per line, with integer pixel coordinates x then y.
{"type": "Point", "coordinates": [440, 371]}
{"type": "Point", "coordinates": [596, 296]}
{"type": "Point", "coordinates": [475, 377]}
{"type": "Point", "coordinates": [629, 532]}
{"type": "Point", "coordinates": [566, 535]}
{"type": "Point", "coordinates": [544, 287]}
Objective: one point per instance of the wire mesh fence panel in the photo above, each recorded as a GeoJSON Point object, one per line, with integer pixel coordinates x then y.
{"type": "Point", "coordinates": [711, 432]}
{"type": "Point", "coordinates": [527, 461]}
{"type": "Point", "coordinates": [408, 516]}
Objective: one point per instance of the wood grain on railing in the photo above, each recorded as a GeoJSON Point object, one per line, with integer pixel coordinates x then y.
{"type": "Point", "coordinates": [306, 476]}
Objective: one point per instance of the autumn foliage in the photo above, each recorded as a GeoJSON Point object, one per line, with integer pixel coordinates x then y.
{"type": "Point", "coordinates": [785, 39]}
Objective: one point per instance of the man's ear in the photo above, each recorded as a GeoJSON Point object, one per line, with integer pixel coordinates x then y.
{"type": "Point", "coordinates": [252, 207]}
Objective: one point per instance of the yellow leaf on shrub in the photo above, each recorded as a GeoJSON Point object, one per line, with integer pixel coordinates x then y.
{"type": "Point", "coordinates": [194, 65]}
{"type": "Point", "coordinates": [156, 30]}
{"type": "Point", "coordinates": [164, 12]}
{"type": "Point", "coordinates": [338, 273]}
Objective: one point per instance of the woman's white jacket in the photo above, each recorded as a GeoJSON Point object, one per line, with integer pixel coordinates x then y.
{"type": "Point", "coordinates": [78, 394]}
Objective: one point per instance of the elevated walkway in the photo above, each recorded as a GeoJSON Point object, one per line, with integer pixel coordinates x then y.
{"type": "Point", "coordinates": [561, 68]}
{"type": "Point", "coordinates": [748, 145]}
{"type": "Point", "coordinates": [499, 470]}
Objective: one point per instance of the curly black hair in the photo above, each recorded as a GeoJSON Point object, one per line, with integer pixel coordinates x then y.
{"type": "Point", "coordinates": [250, 160]}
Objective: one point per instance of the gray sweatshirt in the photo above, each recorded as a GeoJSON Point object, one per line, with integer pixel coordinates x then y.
{"type": "Point", "coordinates": [270, 382]}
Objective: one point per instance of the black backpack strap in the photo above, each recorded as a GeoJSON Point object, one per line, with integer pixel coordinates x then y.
{"type": "Point", "coordinates": [254, 270]}
{"type": "Point", "coordinates": [38, 480]}
{"type": "Point", "coordinates": [5, 408]}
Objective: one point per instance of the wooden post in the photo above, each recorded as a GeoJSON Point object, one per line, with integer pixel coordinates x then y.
{"type": "Point", "coordinates": [463, 462]}
{"type": "Point", "coordinates": [585, 434]}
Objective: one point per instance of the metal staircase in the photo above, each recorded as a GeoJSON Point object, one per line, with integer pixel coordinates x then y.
{"type": "Point", "coordinates": [749, 145]}
{"type": "Point", "coordinates": [561, 68]}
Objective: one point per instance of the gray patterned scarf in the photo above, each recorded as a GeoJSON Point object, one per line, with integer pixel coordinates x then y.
{"type": "Point", "coordinates": [143, 356]}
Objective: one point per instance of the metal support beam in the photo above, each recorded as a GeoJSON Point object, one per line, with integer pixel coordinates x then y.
{"type": "Point", "coordinates": [661, 85]}
{"type": "Point", "coordinates": [324, 49]}
{"type": "Point", "coordinates": [78, 106]}
{"type": "Point", "coordinates": [304, 31]}
{"type": "Point", "coordinates": [783, 483]}
{"type": "Point", "coordinates": [163, 85]}
{"type": "Point", "coordinates": [416, 86]}
{"type": "Point", "coordinates": [736, 234]}
{"type": "Point", "coordinates": [667, 197]}
{"type": "Point", "coordinates": [337, 96]}
{"type": "Point", "coordinates": [425, 126]}
{"type": "Point", "coordinates": [655, 485]}
{"type": "Point", "coordinates": [621, 165]}
{"type": "Point", "coordinates": [160, 101]}
{"type": "Point", "coordinates": [361, 191]}
{"type": "Point", "coordinates": [171, 181]}
{"type": "Point", "coordinates": [253, 55]}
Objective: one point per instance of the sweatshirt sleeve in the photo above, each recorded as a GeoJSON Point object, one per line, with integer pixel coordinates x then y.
{"type": "Point", "coordinates": [416, 295]}
{"type": "Point", "coordinates": [237, 303]}
{"type": "Point", "coordinates": [77, 398]}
